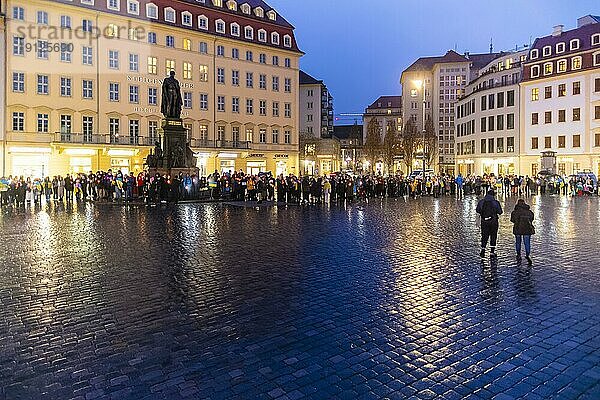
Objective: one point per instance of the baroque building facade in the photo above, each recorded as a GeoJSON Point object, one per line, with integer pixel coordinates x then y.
{"type": "Point", "coordinates": [83, 81]}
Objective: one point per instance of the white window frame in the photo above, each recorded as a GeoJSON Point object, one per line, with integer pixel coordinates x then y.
{"type": "Point", "coordinates": [137, 7]}
{"type": "Point", "coordinates": [535, 71]}
{"type": "Point", "coordinates": [595, 39]}
{"type": "Point", "coordinates": [272, 15]}
{"type": "Point", "coordinates": [546, 51]}
{"type": "Point", "coordinates": [594, 55]}
{"type": "Point", "coordinates": [204, 24]}
{"type": "Point", "coordinates": [232, 5]}
{"type": "Point", "coordinates": [151, 6]}
{"type": "Point", "coordinates": [561, 47]}
{"type": "Point", "coordinates": [287, 41]}
{"type": "Point", "coordinates": [574, 44]}
{"type": "Point", "coordinates": [170, 10]}
{"type": "Point", "coordinates": [246, 9]}
{"type": "Point", "coordinates": [116, 8]}
{"type": "Point", "coordinates": [552, 68]}
{"type": "Point", "coordinates": [262, 35]}
{"type": "Point", "coordinates": [573, 63]}
{"type": "Point", "coordinates": [220, 22]}
{"type": "Point", "coordinates": [275, 38]}
{"type": "Point", "coordinates": [249, 29]}
{"type": "Point", "coordinates": [534, 54]}
{"type": "Point", "coordinates": [234, 29]}
{"type": "Point", "coordinates": [558, 65]}
{"type": "Point", "coordinates": [189, 16]}
{"type": "Point", "coordinates": [259, 12]}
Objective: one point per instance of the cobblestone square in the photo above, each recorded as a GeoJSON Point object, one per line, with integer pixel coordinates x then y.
{"type": "Point", "coordinates": [371, 301]}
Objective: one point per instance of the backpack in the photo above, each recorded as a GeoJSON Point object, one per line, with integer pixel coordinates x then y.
{"type": "Point", "coordinates": [488, 210]}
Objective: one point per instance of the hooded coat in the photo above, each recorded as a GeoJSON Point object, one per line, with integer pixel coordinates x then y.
{"type": "Point", "coordinates": [522, 218]}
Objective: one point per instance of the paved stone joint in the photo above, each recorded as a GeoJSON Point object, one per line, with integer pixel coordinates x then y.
{"type": "Point", "coordinates": [381, 300]}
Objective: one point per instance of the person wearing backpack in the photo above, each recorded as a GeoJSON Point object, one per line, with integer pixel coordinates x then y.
{"type": "Point", "coordinates": [522, 218]}
{"type": "Point", "coordinates": [489, 209]}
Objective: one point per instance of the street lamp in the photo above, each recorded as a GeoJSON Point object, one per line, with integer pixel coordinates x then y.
{"type": "Point", "coordinates": [421, 84]}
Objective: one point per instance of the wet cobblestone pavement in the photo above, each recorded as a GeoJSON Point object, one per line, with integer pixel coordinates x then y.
{"type": "Point", "coordinates": [220, 301]}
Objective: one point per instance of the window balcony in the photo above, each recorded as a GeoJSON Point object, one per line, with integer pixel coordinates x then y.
{"type": "Point", "coordinates": [122, 140]}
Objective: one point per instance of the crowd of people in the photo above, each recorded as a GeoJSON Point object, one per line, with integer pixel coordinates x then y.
{"type": "Point", "coordinates": [117, 186]}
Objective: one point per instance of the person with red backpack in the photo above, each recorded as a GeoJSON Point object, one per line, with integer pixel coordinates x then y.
{"type": "Point", "coordinates": [489, 209]}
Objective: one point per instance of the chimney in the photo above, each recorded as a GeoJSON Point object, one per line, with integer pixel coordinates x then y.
{"type": "Point", "coordinates": [467, 55]}
{"type": "Point", "coordinates": [557, 30]}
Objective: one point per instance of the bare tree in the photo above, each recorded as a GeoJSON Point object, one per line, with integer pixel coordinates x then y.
{"type": "Point", "coordinates": [431, 143]}
{"type": "Point", "coordinates": [409, 143]}
{"type": "Point", "coordinates": [373, 142]}
{"type": "Point", "coordinates": [391, 145]}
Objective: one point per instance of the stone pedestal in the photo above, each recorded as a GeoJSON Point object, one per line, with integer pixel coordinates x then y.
{"type": "Point", "coordinates": [177, 157]}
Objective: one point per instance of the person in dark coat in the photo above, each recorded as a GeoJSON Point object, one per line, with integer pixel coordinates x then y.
{"type": "Point", "coordinates": [489, 209]}
{"type": "Point", "coordinates": [522, 218]}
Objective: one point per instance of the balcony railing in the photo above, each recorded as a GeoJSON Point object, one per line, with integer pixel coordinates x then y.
{"type": "Point", "coordinates": [121, 140]}
{"type": "Point", "coordinates": [219, 144]}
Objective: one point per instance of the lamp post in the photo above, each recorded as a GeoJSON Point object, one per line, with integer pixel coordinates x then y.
{"type": "Point", "coordinates": [421, 84]}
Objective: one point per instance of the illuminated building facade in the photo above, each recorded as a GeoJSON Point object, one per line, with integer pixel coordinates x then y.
{"type": "Point", "coordinates": [83, 84]}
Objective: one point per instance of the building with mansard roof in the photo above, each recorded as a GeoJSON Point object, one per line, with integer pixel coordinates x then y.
{"type": "Point", "coordinates": [83, 81]}
{"type": "Point", "coordinates": [560, 101]}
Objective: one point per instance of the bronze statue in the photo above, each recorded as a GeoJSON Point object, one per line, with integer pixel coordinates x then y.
{"type": "Point", "coordinates": [171, 97]}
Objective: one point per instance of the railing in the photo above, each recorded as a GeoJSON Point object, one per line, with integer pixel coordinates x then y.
{"type": "Point", "coordinates": [120, 140]}
{"type": "Point", "coordinates": [219, 144]}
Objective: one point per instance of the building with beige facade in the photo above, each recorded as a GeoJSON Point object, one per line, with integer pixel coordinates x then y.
{"type": "Point", "coordinates": [83, 84]}
{"type": "Point", "coordinates": [487, 119]}
{"type": "Point", "coordinates": [385, 110]}
{"type": "Point", "coordinates": [560, 99]}
{"type": "Point", "coordinates": [436, 83]}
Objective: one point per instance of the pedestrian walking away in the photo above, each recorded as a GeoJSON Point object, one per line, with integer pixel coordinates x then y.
{"type": "Point", "coordinates": [489, 209]}
{"type": "Point", "coordinates": [522, 218]}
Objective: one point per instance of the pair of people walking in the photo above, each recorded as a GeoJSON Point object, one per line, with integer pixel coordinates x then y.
{"type": "Point", "coordinates": [522, 218]}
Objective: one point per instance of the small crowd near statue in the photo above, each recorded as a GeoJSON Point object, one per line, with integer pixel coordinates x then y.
{"type": "Point", "coordinates": [118, 186]}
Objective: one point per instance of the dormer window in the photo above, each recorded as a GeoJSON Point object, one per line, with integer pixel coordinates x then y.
{"type": "Point", "coordinates": [287, 41]}
{"type": "Point", "coordinates": [534, 54]}
{"type": "Point", "coordinates": [562, 66]}
{"type": "Point", "coordinates": [133, 7]}
{"type": "Point", "coordinates": [596, 39]}
{"type": "Point", "coordinates": [548, 68]}
{"type": "Point", "coordinates": [272, 15]}
{"type": "Point", "coordinates": [576, 63]}
{"type": "Point", "coordinates": [113, 5]}
{"type": "Point", "coordinates": [275, 38]}
{"type": "Point", "coordinates": [186, 18]}
{"type": "Point", "coordinates": [535, 71]}
{"type": "Point", "coordinates": [560, 47]}
{"type": "Point", "coordinates": [169, 15]}
{"type": "Point", "coordinates": [151, 11]}
{"type": "Point", "coordinates": [245, 8]}
{"type": "Point", "coordinates": [546, 51]}
{"type": "Point", "coordinates": [262, 35]}
{"type": "Point", "coordinates": [202, 22]}
{"type": "Point", "coordinates": [220, 26]}
{"type": "Point", "coordinates": [259, 12]}
{"type": "Point", "coordinates": [575, 44]}
{"type": "Point", "coordinates": [235, 29]}
{"type": "Point", "coordinates": [249, 32]}
{"type": "Point", "coordinates": [217, 3]}
{"type": "Point", "coordinates": [232, 5]}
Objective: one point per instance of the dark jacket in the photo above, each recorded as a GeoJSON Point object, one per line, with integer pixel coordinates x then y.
{"type": "Point", "coordinates": [496, 205]}
{"type": "Point", "coordinates": [522, 218]}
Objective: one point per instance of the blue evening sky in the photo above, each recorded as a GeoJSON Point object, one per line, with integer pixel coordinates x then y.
{"type": "Point", "coordinates": [360, 47]}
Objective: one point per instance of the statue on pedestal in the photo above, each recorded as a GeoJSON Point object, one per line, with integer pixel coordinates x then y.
{"type": "Point", "coordinates": [171, 97]}
{"type": "Point", "coordinates": [174, 152]}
